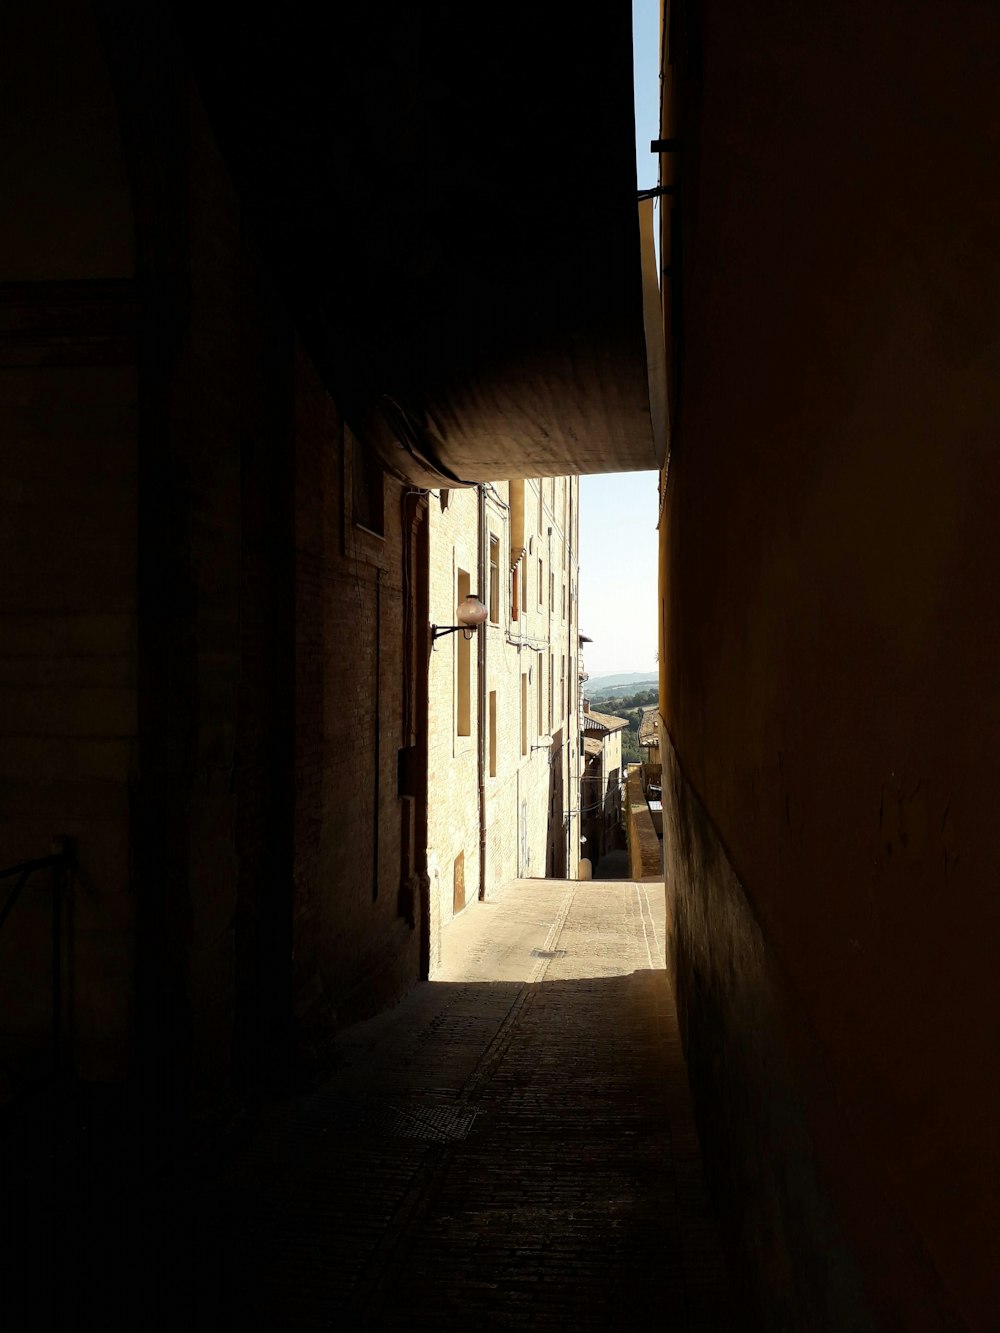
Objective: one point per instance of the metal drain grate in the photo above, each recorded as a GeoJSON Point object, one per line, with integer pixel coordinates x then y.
{"type": "Point", "coordinates": [548, 953]}
{"type": "Point", "coordinates": [440, 1124]}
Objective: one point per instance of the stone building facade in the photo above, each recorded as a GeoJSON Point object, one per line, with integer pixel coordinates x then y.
{"type": "Point", "coordinates": [602, 782]}
{"type": "Point", "coordinates": [503, 733]}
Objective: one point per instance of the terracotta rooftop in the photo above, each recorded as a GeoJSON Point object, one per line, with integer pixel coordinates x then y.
{"type": "Point", "coordinates": [603, 721]}
{"type": "Point", "coordinates": [592, 745]}
{"type": "Point", "coordinates": [648, 733]}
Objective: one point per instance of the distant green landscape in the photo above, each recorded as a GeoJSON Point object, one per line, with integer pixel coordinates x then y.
{"type": "Point", "coordinates": [631, 707]}
{"type": "Point", "coordinates": [631, 682]}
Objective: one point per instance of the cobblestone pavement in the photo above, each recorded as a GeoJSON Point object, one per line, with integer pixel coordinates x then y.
{"type": "Point", "coordinates": [510, 1148]}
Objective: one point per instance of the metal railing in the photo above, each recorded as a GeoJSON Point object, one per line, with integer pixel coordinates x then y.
{"type": "Point", "coordinates": [58, 862]}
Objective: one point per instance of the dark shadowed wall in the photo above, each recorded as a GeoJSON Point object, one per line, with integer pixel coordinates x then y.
{"type": "Point", "coordinates": [209, 670]}
{"type": "Point", "coordinates": [68, 527]}
{"type": "Point", "coordinates": [832, 650]}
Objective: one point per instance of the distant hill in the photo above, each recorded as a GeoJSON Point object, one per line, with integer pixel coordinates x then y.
{"type": "Point", "coordinates": [635, 680]}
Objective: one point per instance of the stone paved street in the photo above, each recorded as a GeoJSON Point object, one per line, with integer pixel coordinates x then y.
{"type": "Point", "coordinates": [511, 1147]}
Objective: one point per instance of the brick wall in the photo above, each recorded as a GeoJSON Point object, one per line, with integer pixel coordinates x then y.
{"type": "Point", "coordinates": [357, 927]}
{"type": "Point", "coordinates": [643, 844]}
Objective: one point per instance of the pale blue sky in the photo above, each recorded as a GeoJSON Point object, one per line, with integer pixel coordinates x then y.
{"type": "Point", "coordinates": [618, 539]}
{"type": "Point", "coordinates": [618, 564]}
{"type": "Point", "coordinates": [646, 59]}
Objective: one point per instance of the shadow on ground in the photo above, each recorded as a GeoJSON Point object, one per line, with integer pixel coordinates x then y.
{"type": "Point", "coordinates": [502, 1155]}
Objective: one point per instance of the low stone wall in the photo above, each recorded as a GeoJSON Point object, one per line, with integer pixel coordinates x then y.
{"type": "Point", "coordinates": [643, 844]}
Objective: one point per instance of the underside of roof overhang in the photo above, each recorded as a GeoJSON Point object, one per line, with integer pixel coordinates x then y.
{"type": "Point", "coordinates": [447, 193]}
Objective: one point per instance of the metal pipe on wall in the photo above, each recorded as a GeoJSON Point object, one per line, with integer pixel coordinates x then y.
{"type": "Point", "coordinates": [550, 598]}
{"type": "Point", "coordinates": [570, 803]}
{"type": "Point", "coordinates": [377, 737]}
{"type": "Point", "coordinates": [481, 708]}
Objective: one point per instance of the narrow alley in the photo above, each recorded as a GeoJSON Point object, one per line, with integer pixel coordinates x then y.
{"type": "Point", "coordinates": [510, 1147]}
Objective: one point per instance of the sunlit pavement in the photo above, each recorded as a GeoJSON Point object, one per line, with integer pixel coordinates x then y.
{"type": "Point", "coordinates": [510, 1147]}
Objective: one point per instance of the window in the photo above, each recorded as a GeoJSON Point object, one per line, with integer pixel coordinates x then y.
{"type": "Point", "coordinates": [463, 667]}
{"type": "Point", "coordinates": [541, 583]}
{"type": "Point", "coordinates": [552, 673]}
{"type": "Point", "coordinates": [539, 504]}
{"type": "Point", "coordinates": [367, 489]}
{"type": "Point", "coordinates": [524, 712]}
{"type": "Point", "coordinates": [515, 609]}
{"type": "Point", "coordinates": [493, 733]}
{"type": "Point", "coordinates": [494, 580]}
{"type": "Point", "coordinates": [562, 684]}
{"type": "Point", "coordinates": [564, 601]}
{"type": "Point", "coordinates": [552, 590]}
{"type": "Point", "coordinates": [541, 696]}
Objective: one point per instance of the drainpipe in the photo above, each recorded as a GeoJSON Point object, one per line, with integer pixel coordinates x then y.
{"type": "Point", "coordinates": [570, 803]}
{"type": "Point", "coordinates": [377, 739]}
{"type": "Point", "coordinates": [550, 598]}
{"type": "Point", "coordinates": [484, 593]}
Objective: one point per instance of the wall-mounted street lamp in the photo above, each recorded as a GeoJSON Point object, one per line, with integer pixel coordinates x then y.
{"type": "Point", "coordinates": [470, 614]}
{"type": "Point", "coordinates": [545, 743]}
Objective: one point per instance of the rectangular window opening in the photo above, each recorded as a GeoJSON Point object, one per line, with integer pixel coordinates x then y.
{"type": "Point", "coordinates": [552, 673]}
{"type": "Point", "coordinates": [463, 666]}
{"type": "Point", "coordinates": [367, 486]}
{"type": "Point", "coordinates": [494, 580]}
{"type": "Point", "coordinates": [524, 712]}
